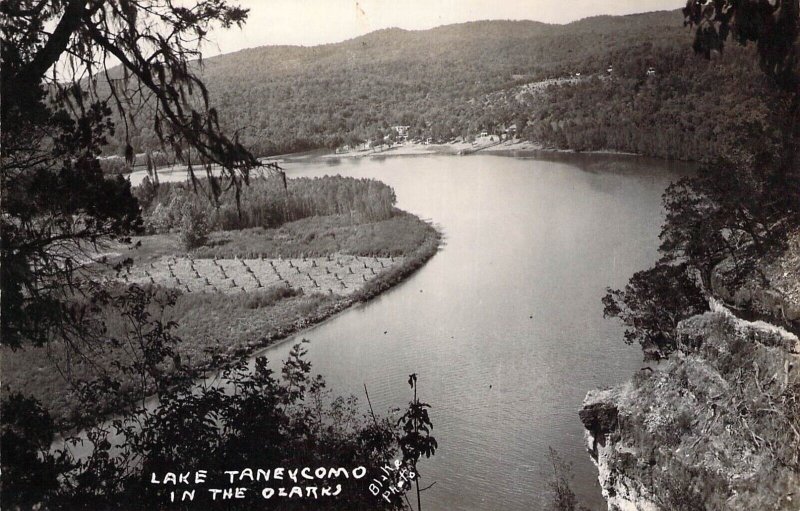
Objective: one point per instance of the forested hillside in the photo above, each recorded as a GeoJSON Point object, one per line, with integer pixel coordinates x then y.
{"type": "Point", "coordinates": [459, 80]}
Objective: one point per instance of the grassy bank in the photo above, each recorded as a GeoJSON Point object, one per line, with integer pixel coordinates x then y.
{"type": "Point", "coordinates": [216, 328]}
{"type": "Point", "coordinates": [320, 236]}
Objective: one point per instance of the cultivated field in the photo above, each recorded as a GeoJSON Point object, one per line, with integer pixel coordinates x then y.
{"type": "Point", "coordinates": [244, 290]}
{"type": "Point", "coordinates": [338, 274]}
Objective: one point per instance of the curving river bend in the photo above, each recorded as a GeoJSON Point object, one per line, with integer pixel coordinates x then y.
{"type": "Point", "coordinates": [504, 325]}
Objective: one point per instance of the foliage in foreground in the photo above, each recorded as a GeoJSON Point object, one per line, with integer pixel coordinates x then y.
{"type": "Point", "coordinates": [63, 211]}
{"type": "Point", "coordinates": [58, 209]}
{"type": "Point", "coordinates": [222, 324]}
{"type": "Point", "coordinates": [248, 418]}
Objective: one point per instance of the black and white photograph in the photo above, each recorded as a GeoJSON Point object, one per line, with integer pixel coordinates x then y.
{"type": "Point", "coordinates": [430, 255]}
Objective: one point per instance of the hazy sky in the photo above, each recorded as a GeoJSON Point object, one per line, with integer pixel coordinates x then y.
{"type": "Point", "coordinates": [311, 22]}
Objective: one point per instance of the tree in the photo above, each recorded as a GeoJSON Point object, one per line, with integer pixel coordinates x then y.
{"type": "Point", "coordinates": [754, 204]}
{"type": "Point", "coordinates": [154, 42]}
{"type": "Point", "coordinates": [58, 96]}
{"type": "Point", "coordinates": [737, 208]}
{"type": "Point", "coordinates": [564, 498]}
{"type": "Point", "coordinates": [194, 226]}
{"type": "Point", "coordinates": [652, 304]}
{"type": "Point", "coordinates": [58, 210]}
{"type": "Point", "coordinates": [29, 469]}
{"type": "Point", "coordinates": [725, 212]}
{"type": "Point", "coordinates": [258, 419]}
{"type": "Point", "coordinates": [416, 440]}
{"type": "Point", "coordinates": [774, 28]}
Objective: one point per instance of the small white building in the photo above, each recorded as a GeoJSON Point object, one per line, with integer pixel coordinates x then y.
{"type": "Point", "coordinates": [402, 131]}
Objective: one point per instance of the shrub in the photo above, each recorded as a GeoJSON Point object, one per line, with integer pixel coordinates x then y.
{"type": "Point", "coordinates": [194, 227]}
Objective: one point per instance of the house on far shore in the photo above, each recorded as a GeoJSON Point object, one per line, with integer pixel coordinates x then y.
{"type": "Point", "coordinates": [651, 71]}
{"type": "Point", "coordinates": [402, 132]}
{"type": "Point", "coordinates": [610, 70]}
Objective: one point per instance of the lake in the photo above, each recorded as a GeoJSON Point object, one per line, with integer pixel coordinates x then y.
{"type": "Point", "coordinates": [504, 326]}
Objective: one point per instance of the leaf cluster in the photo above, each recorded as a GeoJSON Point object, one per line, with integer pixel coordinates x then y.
{"type": "Point", "coordinates": [249, 417]}
{"type": "Point", "coordinates": [772, 26]}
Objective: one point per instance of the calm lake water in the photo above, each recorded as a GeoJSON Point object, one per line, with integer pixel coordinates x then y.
{"type": "Point", "coordinates": [504, 325]}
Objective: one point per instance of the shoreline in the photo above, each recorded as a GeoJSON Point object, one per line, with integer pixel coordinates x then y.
{"type": "Point", "coordinates": [512, 148]}
{"type": "Point", "coordinates": [384, 281]}
{"type": "Point", "coordinates": [482, 145]}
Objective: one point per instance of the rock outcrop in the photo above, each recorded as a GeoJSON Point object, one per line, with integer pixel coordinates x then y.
{"type": "Point", "coordinates": [717, 426]}
{"type": "Point", "coordinates": [774, 291]}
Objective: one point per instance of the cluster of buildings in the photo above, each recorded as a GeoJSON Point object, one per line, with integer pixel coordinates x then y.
{"type": "Point", "coordinates": [651, 71]}
{"type": "Point", "coordinates": [401, 131]}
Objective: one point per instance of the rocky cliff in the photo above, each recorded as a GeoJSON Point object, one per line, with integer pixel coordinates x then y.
{"type": "Point", "coordinates": [773, 291]}
{"type": "Point", "coordinates": [717, 426]}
